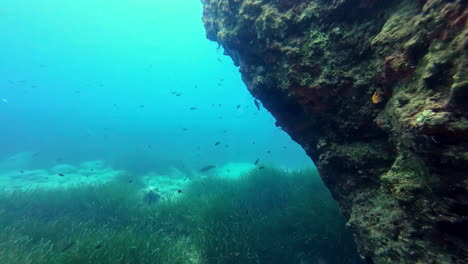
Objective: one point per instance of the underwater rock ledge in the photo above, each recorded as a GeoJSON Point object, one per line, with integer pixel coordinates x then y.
{"type": "Point", "coordinates": [376, 92]}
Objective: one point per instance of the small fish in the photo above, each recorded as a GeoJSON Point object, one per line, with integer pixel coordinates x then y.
{"type": "Point", "coordinates": [219, 59]}
{"type": "Point", "coordinates": [142, 106]}
{"type": "Point", "coordinates": [4, 100]}
{"type": "Point", "coordinates": [21, 171]}
{"type": "Point", "coordinates": [68, 246]}
{"type": "Point", "coordinates": [261, 168]}
{"type": "Point", "coordinates": [98, 246]}
{"type": "Point", "coordinates": [130, 181]}
{"type": "Point", "coordinates": [256, 162]}
{"type": "Point", "coordinates": [238, 106]}
{"type": "Point", "coordinates": [184, 129]}
{"type": "Point", "coordinates": [61, 174]}
{"type": "Point", "coordinates": [178, 94]}
{"type": "Point", "coordinates": [180, 191]}
{"type": "Point", "coordinates": [217, 143]}
{"type": "Point", "coordinates": [193, 108]}
{"type": "Point", "coordinates": [207, 168]}
{"type": "Point", "coordinates": [235, 254]}
{"type": "Point", "coordinates": [268, 151]}
{"type": "Point", "coordinates": [257, 104]}
{"type": "Point", "coordinates": [253, 142]}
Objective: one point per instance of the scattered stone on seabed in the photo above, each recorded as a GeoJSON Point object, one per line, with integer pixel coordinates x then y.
{"type": "Point", "coordinates": [151, 195]}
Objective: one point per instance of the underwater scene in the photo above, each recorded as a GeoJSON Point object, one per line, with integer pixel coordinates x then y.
{"type": "Point", "coordinates": [128, 137]}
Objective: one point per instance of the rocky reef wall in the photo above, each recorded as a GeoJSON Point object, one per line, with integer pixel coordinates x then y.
{"type": "Point", "coordinates": [376, 91]}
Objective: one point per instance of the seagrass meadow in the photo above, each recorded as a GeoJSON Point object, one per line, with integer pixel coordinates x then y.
{"type": "Point", "coordinates": [250, 219]}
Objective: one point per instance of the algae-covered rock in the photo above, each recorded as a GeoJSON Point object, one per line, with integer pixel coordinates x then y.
{"type": "Point", "coordinates": [376, 92]}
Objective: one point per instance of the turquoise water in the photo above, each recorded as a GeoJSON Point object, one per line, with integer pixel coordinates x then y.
{"type": "Point", "coordinates": [96, 80]}
{"type": "Point", "coordinates": [127, 137]}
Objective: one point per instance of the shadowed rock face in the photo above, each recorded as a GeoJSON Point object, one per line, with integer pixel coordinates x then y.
{"type": "Point", "coordinates": [376, 91]}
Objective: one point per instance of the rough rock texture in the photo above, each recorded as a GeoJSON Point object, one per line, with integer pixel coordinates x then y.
{"type": "Point", "coordinates": [376, 91]}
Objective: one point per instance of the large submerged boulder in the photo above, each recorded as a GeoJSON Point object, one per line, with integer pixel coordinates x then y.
{"type": "Point", "coordinates": [376, 91]}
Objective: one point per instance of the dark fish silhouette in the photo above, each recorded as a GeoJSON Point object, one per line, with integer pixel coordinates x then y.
{"type": "Point", "coordinates": [193, 108]}
{"type": "Point", "coordinates": [180, 191]}
{"type": "Point", "coordinates": [207, 168]}
{"type": "Point", "coordinates": [261, 168]}
{"type": "Point", "coordinates": [257, 104]}
{"type": "Point", "coordinates": [217, 143]}
{"type": "Point", "coordinates": [238, 106]}
{"type": "Point", "coordinates": [98, 246]}
{"type": "Point", "coordinates": [142, 106]}
{"type": "Point", "coordinates": [256, 162]}
{"type": "Point", "coordinates": [67, 247]}
{"type": "Point", "coordinates": [21, 171]}
{"type": "Point", "coordinates": [61, 174]}
{"type": "Point", "coordinates": [184, 129]}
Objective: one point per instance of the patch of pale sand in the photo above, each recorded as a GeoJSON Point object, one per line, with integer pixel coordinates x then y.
{"type": "Point", "coordinates": [64, 168]}
{"type": "Point", "coordinates": [167, 186]}
{"type": "Point", "coordinates": [88, 173]}
{"type": "Point", "coordinates": [94, 164]}
{"type": "Point", "coordinates": [176, 173]}
{"type": "Point", "coordinates": [233, 170]}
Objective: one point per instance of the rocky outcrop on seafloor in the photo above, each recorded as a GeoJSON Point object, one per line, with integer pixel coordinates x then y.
{"type": "Point", "coordinates": [376, 91]}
